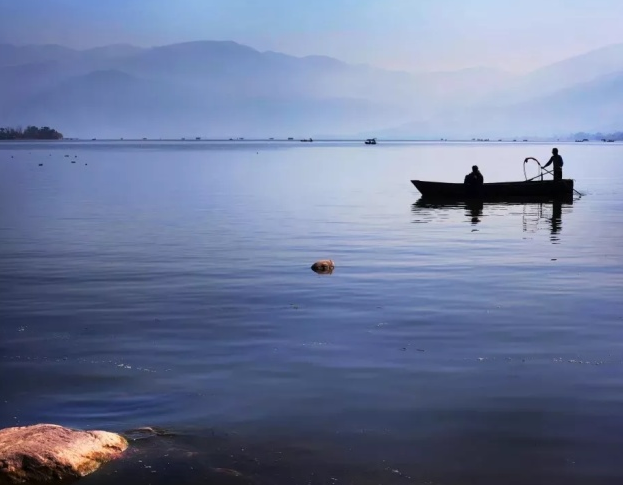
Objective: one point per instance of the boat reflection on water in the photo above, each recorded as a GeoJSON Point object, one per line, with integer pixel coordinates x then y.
{"type": "Point", "coordinates": [534, 211]}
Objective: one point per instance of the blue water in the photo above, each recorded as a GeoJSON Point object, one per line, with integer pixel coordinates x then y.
{"type": "Point", "coordinates": [168, 285]}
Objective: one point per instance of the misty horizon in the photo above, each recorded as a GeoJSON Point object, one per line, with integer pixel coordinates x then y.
{"type": "Point", "coordinates": [303, 56]}
{"type": "Point", "coordinates": [223, 89]}
{"type": "Point", "coordinates": [424, 36]}
{"type": "Point", "coordinates": [347, 69]}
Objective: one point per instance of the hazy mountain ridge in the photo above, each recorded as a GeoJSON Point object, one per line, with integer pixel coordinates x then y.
{"type": "Point", "coordinates": [566, 73]}
{"type": "Point", "coordinates": [211, 88]}
{"type": "Point", "coordinates": [595, 104]}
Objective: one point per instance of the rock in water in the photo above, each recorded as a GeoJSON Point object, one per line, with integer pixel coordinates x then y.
{"type": "Point", "coordinates": [46, 452]}
{"type": "Point", "coordinates": [324, 266]}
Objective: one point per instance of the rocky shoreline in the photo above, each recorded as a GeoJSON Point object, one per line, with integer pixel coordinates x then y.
{"type": "Point", "coordinates": [47, 452]}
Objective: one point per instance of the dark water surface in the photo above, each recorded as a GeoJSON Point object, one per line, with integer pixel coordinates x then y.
{"type": "Point", "coordinates": [168, 285]}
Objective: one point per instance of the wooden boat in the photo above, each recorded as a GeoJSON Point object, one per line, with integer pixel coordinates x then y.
{"type": "Point", "coordinates": [496, 190]}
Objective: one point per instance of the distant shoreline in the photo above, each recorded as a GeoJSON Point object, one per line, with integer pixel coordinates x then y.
{"type": "Point", "coordinates": [31, 133]}
{"type": "Point", "coordinates": [319, 140]}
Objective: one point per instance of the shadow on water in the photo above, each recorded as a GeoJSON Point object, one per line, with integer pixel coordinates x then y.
{"type": "Point", "coordinates": [535, 211]}
{"type": "Point", "coordinates": [478, 453]}
{"type": "Point", "coordinates": [207, 456]}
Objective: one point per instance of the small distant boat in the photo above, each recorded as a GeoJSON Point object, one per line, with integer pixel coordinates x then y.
{"type": "Point", "coordinates": [290, 139]}
{"type": "Point", "coordinates": [307, 141]}
{"type": "Point", "coordinates": [370, 141]}
{"type": "Point", "coordinates": [495, 190]}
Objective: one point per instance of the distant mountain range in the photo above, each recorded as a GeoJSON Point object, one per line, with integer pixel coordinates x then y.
{"type": "Point", "coordinates": [224, 89]}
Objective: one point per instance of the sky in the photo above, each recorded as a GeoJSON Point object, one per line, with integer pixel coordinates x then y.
{"type": "Point", "coordinates": [411, 35]}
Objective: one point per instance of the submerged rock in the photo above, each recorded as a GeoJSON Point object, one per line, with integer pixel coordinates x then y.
{"type": "Point", "coordinates": [46, 452]}
{"type": "Point", "coordinates": [147, 432]}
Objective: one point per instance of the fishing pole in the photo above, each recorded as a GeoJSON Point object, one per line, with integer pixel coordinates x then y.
{"type": "Point", "coordinates": [541, 174]}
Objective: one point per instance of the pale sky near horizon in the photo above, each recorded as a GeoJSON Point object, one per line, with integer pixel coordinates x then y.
{"type": "Point", "coordinates": [412, 35]}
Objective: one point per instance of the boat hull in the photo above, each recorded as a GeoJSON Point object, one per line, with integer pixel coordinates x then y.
{"type": "Point", "coordinates": [496, 190]}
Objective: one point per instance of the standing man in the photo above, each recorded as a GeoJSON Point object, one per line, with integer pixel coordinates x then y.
{"type": "Point", "coordinates": [557, 161]}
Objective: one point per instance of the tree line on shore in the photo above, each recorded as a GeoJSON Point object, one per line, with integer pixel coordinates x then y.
{"type": "Point", "coordinates": [617, 136]}
{"type": "Point", "coordinates": [30, 133]}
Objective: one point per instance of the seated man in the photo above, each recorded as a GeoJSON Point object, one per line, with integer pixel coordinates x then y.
{"type": "Point", "coordinates": [475, 177]}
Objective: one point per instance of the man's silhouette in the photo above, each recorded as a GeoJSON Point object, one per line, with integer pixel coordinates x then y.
{"type": "Point", "coordinates": [557, 161]}
{"type": "Point", "coordinates": [474, 177]}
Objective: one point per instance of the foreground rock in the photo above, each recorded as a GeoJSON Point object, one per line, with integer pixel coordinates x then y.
{"type": "Point", "coordinates": [47, 452]}
{"type": "Point", "coordinates": [324, 266]}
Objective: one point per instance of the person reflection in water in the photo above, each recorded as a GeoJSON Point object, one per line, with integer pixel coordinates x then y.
{"type": "Point", "coordinates": [474, 178]}
{"type": "Point", "coordinates": [473, 210]}
{"type": "Point", "coordinates": [556, 221]}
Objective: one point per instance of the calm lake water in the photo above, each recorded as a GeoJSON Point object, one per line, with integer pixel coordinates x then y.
{"type": "Point", "coordinates": [169, 285]}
